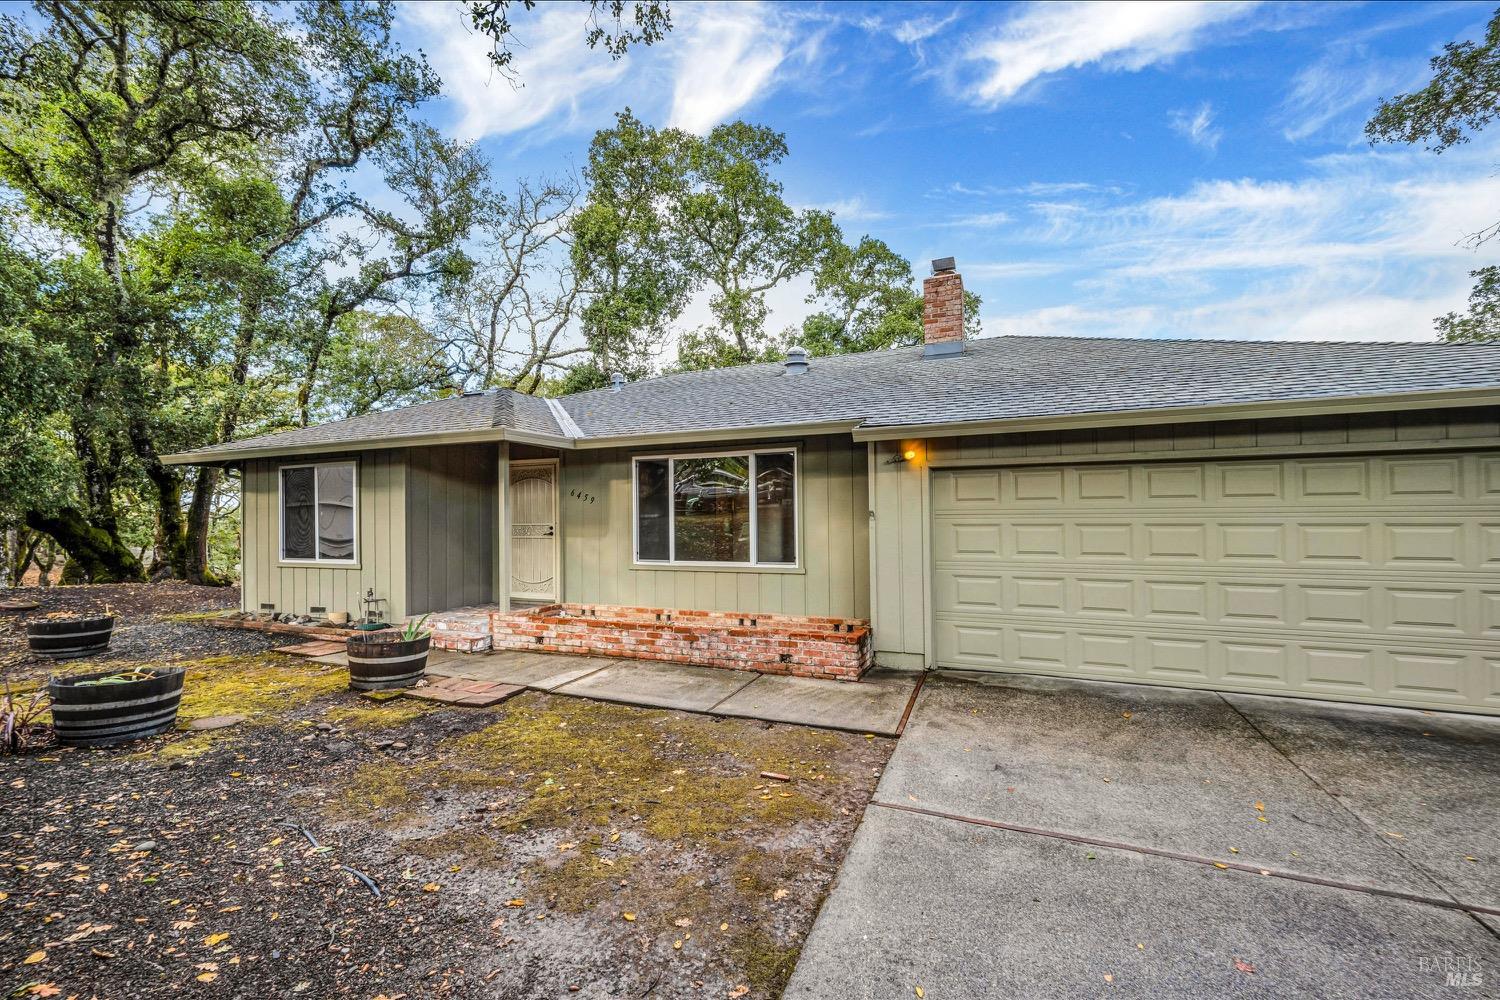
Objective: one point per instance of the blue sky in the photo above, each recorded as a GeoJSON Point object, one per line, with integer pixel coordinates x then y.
{"type": "Point", "coordinates": [1135, 169]}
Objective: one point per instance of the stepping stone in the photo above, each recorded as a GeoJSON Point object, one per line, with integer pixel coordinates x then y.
{"type": "Point", "coordinates": [460, 691]}
{"type": "Point", "coordinates": [18, 605]}
{"type": "Point", "coordinates": [215, 722]}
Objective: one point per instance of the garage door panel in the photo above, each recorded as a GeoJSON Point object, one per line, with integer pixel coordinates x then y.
{"type": "Point", "coordinates": [1423, 545]}
{"type": "Point", "coordinates": [1249, 483]}
{"type": "Point", "coordinates": [1424, 478]}
{"type": "Point", "coordinates": [1260, 604]}
{"type": "Point", "coordinates": [1338, 607]}
{"type": "Point", "coordinates": [1359, 578]}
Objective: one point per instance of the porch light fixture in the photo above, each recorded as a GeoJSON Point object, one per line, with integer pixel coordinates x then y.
{"type": "Point", "coordinates": [905, 455]}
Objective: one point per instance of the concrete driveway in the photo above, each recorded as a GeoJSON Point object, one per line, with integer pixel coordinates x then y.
{"type": "Point", "coordinates": [1046, 838]}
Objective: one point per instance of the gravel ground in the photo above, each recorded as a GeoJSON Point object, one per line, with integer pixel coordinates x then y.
{"type": "Point", "coordinates": [154, 623]}
{"type": "Point", "coordinates": [546, 847]}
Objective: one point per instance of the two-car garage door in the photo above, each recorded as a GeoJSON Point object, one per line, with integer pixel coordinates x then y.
{"type": "Point", "coordinates": [1372, 579]}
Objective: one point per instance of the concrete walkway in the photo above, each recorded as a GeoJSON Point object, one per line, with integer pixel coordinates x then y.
{"type": "Point", "coordinates": [1034, 837]}
{"type": "Point", "coordinates": [873, 705]}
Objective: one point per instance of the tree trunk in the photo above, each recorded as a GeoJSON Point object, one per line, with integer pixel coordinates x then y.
{"type": "Point", "coordinates": [199, 524]}
{"type": "Point", "coordinates": [95, 554]}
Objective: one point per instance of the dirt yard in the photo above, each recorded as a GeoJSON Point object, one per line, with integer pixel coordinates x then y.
{"type": "Point", "coordinates": [546, 847]}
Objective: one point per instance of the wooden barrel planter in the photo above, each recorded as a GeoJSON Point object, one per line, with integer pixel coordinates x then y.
{"type": "Point", "coordinates": [70, 638]}
{"type": "Point", "coordinates": [95, 715]}
{"type": "Point", "coordinates": [380, 660]}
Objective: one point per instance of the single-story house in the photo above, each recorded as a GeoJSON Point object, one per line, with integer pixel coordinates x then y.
{"type": "Point", "coordinates": [1318, 519]}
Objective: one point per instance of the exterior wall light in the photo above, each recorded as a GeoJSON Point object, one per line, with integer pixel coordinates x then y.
{"type": "Point", "coordinates": [904, 455]}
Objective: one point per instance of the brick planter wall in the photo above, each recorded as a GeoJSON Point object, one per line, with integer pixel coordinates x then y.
{"type": "Point", "coordinates": [826, 648]}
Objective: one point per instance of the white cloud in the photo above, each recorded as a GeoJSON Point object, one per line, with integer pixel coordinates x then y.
{"type": "Point", "coordinates": [557, 73]}
{"type": "Point", "coordinates": [978, 220]}
{"type": "Point", "coordinates": [852, 209]}
{"type": "Point", "coordinates": [718, 60]}
{"type": "Point", "coordinates": [1049, 38]}
{"type": "Point", "coordinates": [1364, 247]}
{"type": "Point", "coordinates": [1197, 126]}
{"type": "Point", "coordinates": [727, 55]}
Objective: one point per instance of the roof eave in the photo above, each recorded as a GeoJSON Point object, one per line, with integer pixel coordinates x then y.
{"type": "Point", "coordinates": [229, 455]}
{"type": "Point", "coordinates": [1268, 409]}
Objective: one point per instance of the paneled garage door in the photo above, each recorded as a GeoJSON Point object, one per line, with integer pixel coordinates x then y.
{"type": "Point", "coordinates": [1373, 579]}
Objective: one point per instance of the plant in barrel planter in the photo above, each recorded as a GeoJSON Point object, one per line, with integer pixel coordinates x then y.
{"type": "Point", "coordinates": [70, 638]}
{"type": "Point", "coordinates": [389, 658]}
{"type": "Point", "coordinates": [114, 706]}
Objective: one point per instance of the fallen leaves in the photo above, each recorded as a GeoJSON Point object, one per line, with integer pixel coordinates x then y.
{"type": "Point", "coordinates": [1244, 966]}
{"type": "Point", "coordinates": [431, 887]}
{"type": "Point", "coordinates": [206, 977]}
{"type": "Point", "coordinates": [628, 916]}
{"type": "Point", "coordinates": [214, 939]}
{"type": "Point", "coordinates": [35, 958]}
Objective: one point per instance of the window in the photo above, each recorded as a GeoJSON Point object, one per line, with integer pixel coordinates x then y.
{"type": "Point", "coordinates": [318, 520]}
{"type": "Point", "coordinates": [738, 508]}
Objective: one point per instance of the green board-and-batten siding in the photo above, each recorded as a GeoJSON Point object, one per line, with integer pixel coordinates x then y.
{"type": "Point", "coordinates": [833, 577]}
{"type": "Point", "coordinates": [451, 513]}
{"type": "Point", "coordinates": [382, 543]}
{"type": "Point", "coordinates": [900, 499]}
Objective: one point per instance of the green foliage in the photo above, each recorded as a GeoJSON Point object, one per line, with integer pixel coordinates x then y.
{"type": "Point", "coordinates": [379, 360]}
{"type": "Point", "coordinates": [184, 171]}
{"type": "Point", "coordinates": [870, 297]}
{"type": "Point", "coordinates": [1482, 320]}
{"type": "Point", "coordinates": [668, 214]}
{"type": "Point", "coordinates": [1462, 97]}
{"type": "Point", "coordinates": [652, 19]}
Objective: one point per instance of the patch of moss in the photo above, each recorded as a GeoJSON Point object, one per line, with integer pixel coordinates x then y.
{"type": "Point", "coordinates": [256, 686]}
{"type": "Point", "coordinates": [582, 880]}
{"type": "Point", "coordinates": [363, 713]}
{"type": "Point", "coordinates": [584, 766]}
{"type": "Point", "coordinates": [765, 962]}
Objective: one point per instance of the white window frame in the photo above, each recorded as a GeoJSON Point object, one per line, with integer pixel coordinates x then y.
{"type": "Point", "coordinates": [316, 560]}
{"type": "Point", "coordinates": [754, 563]}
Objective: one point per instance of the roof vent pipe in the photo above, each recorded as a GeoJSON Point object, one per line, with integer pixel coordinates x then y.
{"type": "Point", "coordinates": [616, 381]}
{"type": "Point", "coordinates": [796, 360]}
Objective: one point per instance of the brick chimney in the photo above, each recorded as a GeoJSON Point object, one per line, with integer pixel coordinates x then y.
{"type": "Point", "coordinates": [943, 310]}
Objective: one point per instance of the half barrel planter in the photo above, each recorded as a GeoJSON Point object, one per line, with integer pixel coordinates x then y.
{"type": "Point", "coordinates": [106, 714]}
{"type": "Point", "coordinates": [70, 639]}
{"type": "Point", "coordinates": [381, 660]}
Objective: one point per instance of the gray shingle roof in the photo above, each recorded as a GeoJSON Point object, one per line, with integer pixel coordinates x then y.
{"type": "Point", "coordinates": [455, 415]}
{"type": "Point", "coordinates": [1013, 377]}
{"type": "Point", "coordinates": [995, 379]}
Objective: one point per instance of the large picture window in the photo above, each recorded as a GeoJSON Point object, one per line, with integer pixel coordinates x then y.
{"type": "Point", "coordinates": [738, 508]}
{"type": "Point", "coordinates": [318, 518]}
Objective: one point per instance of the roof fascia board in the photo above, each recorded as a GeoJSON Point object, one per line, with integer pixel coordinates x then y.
{"type": "Point", "coordinates": [1441, 398]}
{"type": "Point", "coordinates": [368, 444]}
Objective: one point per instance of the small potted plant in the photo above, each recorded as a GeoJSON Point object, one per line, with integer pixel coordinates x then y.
{"type": "Point", "coordinates": [68, 638]}
{"type": "Point", "coordinates": [389, 658]}
{"type": "Point", "coordinates": [21, 725]}
{"type": "Point", "coordinates": [114, 706]}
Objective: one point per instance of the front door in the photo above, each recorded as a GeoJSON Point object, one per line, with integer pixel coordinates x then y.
{"type": "Point", "coordinates": [533, 530]}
